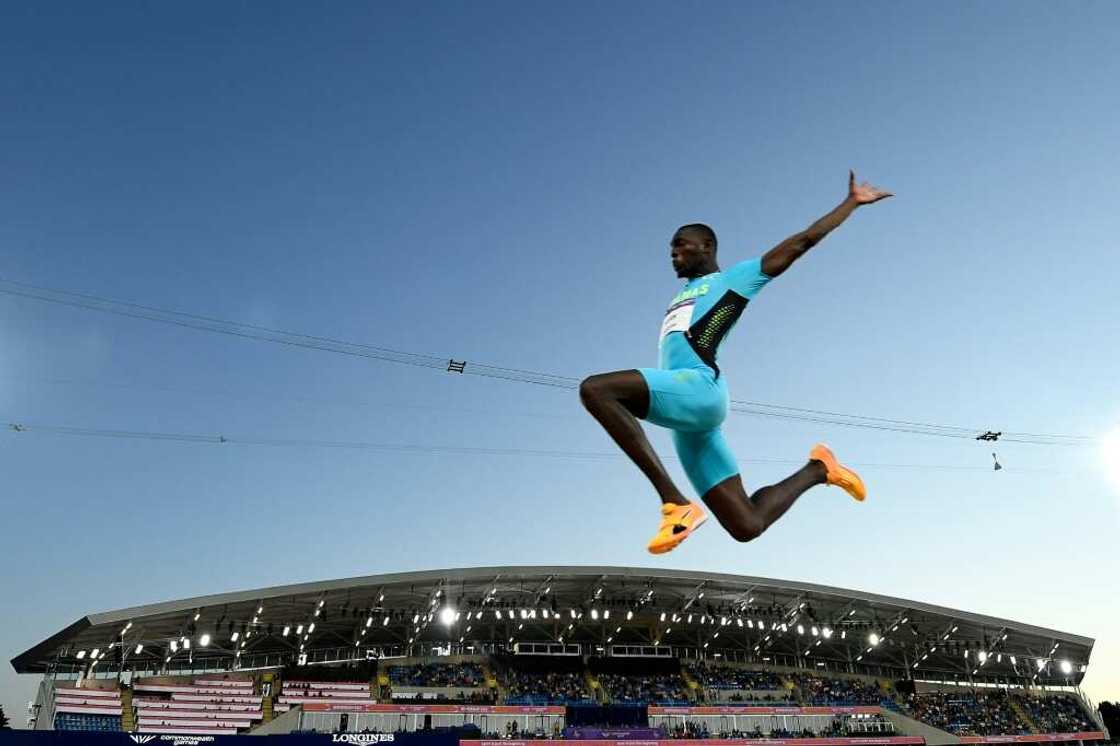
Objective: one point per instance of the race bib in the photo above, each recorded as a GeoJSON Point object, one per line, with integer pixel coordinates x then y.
{"type": "Point", "coordinates": [678, 318]}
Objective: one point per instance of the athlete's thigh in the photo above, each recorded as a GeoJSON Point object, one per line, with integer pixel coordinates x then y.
{"type": "Point", "coordinates": [687, 399]}
{"type": "Point", "coordinates": [706, 458]}
{"type": "Point", "coordinates": [628, 387]}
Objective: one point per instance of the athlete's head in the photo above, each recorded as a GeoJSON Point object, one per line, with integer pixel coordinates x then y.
{"type": "Point", "coordinates": [693, 250]}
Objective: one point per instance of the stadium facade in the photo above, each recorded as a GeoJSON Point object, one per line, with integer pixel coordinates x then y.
{"type": "Point", "coordinates": [618, 613]}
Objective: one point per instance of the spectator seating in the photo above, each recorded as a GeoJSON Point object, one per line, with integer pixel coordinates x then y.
{"type": "Point", "coordinates": [334, 692]}
{"type": "Point", "coordinates": [553, 688]}
{"type": "Point", "coordinates": [87, 709]}
{"type": "Point", "coordinates": [202, 707]}
{"type": "Point", "coordinates": [72, 721]}
{"type": "Point", "coordinates": [657, 689]}
{"type": "Point", "coordinates": [541, 680]}
{"type": "Point", "coordinates": [724, 684]}
{"type": "Point", "coordinates": [467, 675]}
{"type": "Point", "coordinates": [1056, 714]}
{"type": "Point", "coordinates": [817, 690]}
{"type": "Point", "coordinates": [729, 677]}
{"type": "Point", "coordinates": [641, 680]}
{"type": "Point", "coordinates": [968, 713]}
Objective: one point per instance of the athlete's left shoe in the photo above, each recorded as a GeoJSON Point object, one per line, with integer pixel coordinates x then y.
{"type": "Point", "coordinates": [677, 524]}
{"type": "Point", "coordinates": [837, 473]}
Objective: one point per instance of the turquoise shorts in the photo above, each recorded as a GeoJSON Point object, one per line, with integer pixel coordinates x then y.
{"type": "Point", "coordinates": [693, 403]}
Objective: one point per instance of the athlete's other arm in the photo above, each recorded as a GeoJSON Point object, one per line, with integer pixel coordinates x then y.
{"type": "Point", "coordinates": [778, 259]}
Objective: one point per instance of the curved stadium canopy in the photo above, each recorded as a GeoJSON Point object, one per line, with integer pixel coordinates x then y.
{"type": "Point", "coordinates": [692, 613]}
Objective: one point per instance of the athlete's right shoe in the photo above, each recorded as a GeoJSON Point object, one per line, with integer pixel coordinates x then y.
{"type": "Point", "coordinates": [837, 473]}
{"type": "Point", "coordinates": [677, 524]}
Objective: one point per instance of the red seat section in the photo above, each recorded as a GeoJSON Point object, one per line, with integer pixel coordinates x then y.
{"type": "Point", "coordinates": [204, 706]}
{"type": "Point", "coordinates": [335, 692]}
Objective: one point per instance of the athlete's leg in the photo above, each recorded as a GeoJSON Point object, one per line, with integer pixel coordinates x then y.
{"type": "Point", "coordinates": [746, 517]}
{"type": "Point", "coordinates": [617, 401]}
{"type": "Point", "coordinates": [711, 468]}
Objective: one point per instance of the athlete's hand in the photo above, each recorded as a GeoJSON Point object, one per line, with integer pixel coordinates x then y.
{"type": "Point", "coordinates": [865, 194]}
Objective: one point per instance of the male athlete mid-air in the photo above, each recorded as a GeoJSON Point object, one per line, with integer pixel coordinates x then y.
{"type": "Point", "coordinates": [688, 395]}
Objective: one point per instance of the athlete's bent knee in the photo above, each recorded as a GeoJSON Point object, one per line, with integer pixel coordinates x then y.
{"type": "Point", "coordinates": [592, 391]}
{"type": "Point", "coordinates": [746, 529]}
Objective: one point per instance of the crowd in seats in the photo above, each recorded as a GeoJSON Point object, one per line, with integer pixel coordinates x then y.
{"type": "Point", "coordinates": [216, 706]}
{"type": "Point", "coordinates": [640, 680]}
{"type": "Point", "coordinates": [816, 690]}
{"type": "Point", "coordinates": [968, 713]}
{"type": "Point", "coordinates": [438, 675]}
{"type": "Point", "coordinates": [1057, 714]}
{"type": "Point", "coordinates": [550, 688]}
{"type": "Point", "coordinates": [728, 677]}
{"type": "Point", "coordinates": [662, 689]}
{"type": "Point", "coordinates": [542, 680]}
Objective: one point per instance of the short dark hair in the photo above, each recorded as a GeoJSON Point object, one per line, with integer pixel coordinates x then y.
{"type": "Point", "coordinates": [706, 233]}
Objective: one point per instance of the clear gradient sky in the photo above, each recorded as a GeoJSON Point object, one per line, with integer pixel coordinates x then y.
{"type": "Point", "coordinates": [498, 181]}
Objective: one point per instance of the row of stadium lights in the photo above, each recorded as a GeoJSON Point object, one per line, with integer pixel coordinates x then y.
{"type": "Point", "coordinates": [448, 615]}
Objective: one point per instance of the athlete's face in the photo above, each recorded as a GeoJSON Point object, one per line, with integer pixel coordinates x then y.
{"type": "Point", "coordinates": [688, 252]}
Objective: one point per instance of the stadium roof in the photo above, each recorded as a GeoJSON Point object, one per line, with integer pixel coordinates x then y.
{"type": "Point", "coordinates": [597, 608]}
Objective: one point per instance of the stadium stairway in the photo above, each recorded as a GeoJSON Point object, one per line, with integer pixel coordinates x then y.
{"type": "Point", "coordinates": [492, 682]}
{"type": "Point", "coordinates": [267, 700]}
{"type": "Point", "coordinates": [384, 691]}
{"type": "Point", "coordinates": [692, 684]}
{"type": "Point", "coordinates": [795, 693]}
{"type": "Point", "coordinates": [267, 711]}
{"type": "Point", "coordinates": [1017, 708]}
{"type": "Point", "coordinates": [595, 687]}
{"type": "Point", "coordinates": [128, 714]}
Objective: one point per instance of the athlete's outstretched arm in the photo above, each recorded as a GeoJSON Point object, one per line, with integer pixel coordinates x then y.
{"type": "Point", "coordinates": [778, 259]}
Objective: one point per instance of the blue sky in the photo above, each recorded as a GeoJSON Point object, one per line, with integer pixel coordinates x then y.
{"type": "Point", "coordinates": [498, 182]}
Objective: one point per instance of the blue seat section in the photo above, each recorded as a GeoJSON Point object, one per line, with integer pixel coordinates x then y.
{"type": "Point", "coordinates": [75, 721]}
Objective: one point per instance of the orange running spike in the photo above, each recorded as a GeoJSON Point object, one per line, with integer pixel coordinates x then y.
{"type": "Point", "coordinates": [677, 524]}
{"type": "Point", "coordinates": [837, 473]}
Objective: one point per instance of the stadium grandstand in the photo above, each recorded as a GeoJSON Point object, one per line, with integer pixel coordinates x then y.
{"type": "Point", "coordinates": [598, 654]}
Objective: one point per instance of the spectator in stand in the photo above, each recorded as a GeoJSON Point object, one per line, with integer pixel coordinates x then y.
{"type": "Point", "coordinates": [968, 713]}
{"type": "Point", "coordinates": [717, 676]}
{"type": "Point", "coordinates": [649, 689]}
{"type": "Point", "coordinates": [1056, 714]}
{"type": "Point", "coordinates": [544, 689]}
{"type": "Point", "coordinates": [438, 675]}
{"type": "Point", "coordinates": [816, 690]}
